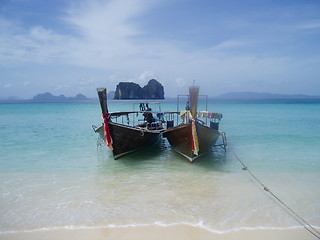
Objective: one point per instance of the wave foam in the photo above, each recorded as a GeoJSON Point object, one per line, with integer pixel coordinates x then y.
{"type": "Point", "coordinates": [200, 225]}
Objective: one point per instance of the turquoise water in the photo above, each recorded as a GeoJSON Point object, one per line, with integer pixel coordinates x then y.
{"type": "Point", "coordinates": [54, 176]}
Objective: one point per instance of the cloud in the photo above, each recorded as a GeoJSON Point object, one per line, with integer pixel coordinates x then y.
{"type": "Point", "coordinates": [35, 45]}
{"type": "Point", "coordinates": [106, 20]}
{"type": "Point", "coordinates": [105, 42]}
{"type": "Point", "coordinates": [7, 85]}
{"type": "Point", "coordinates": [309, 25]}
{"type": "Point", "coordinates": [145, 76]}
{"type": "Point", "coordinates": [229, 44]}
{"type": "Point", "coordinates": [181, 82]}
{"type": "Point", "coordinates": [101, 36]}
{"type": "Point", "coordinates": [39, 34]}
{"type": "Point", "coordinates": [105, 29]}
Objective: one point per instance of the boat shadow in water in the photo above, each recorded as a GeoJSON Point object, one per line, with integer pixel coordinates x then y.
{"type": "Point", "coordinates": [160, 153]}
{"type": "Point", "coordinates": [216, 160]}
{"type": "Point", "coordinates": [152, 153]}
{"type": "Point", "coordinates": [148, 158]}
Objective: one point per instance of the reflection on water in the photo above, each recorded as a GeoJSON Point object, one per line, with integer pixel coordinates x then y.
{"type": "Point", "coordinates": [160, 156]}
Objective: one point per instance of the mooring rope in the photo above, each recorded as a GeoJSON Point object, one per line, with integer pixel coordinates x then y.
{"type": "Point", "coordinates": [299, 219]}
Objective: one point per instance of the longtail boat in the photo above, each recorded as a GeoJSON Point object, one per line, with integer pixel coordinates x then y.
{"type": "Point", "coordinates": [198, 132]}
{"type": "Point", "coordinates": [127, 132]}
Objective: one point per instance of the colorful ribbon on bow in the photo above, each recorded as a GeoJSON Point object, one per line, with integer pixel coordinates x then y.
{"type": "Point", "coordinates": [194, 135]}
{"type": "Point", "coordinates": [195, 139]}
{"type": "Point", "coordinates": [106, 130]}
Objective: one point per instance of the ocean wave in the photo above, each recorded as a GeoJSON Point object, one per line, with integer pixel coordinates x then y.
{"type": "Point", "coordinates": [200, 225]}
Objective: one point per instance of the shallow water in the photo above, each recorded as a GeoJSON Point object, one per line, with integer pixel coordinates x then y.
{"type": "Point", "coordinates": [53, 175]}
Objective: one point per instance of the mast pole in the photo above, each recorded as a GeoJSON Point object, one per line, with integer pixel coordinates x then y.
{"type": "Point", "coordinates": [193, 95]}
{"type": "Point", "coordinates": [102, 93]}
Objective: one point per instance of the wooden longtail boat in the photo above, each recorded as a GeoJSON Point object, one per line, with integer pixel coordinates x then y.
{"type": "Point", "coordinates": [127, 135]}
{"type": "Point", "coordinates": [194, 137]}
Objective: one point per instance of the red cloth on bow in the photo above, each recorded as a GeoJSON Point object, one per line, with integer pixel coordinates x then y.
{"type": "Point", "coordinates": [106, 129]}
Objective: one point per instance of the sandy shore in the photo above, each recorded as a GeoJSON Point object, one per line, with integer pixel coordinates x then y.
{"type": "Point", "coordinates": [158, 233]}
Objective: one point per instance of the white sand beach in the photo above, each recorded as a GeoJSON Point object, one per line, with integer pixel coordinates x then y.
{"type": "Point", "coordinates": [159, 233]}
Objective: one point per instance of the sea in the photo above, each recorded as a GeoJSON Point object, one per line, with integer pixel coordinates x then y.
{"type": "Point", "coordinates": [55, 174]}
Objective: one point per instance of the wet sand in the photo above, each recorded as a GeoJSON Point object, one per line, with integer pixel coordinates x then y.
{"type": "Point", "coordinates": [159, 233]}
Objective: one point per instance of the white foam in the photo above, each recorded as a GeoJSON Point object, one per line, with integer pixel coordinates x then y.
{"type": "Point", "coordinates": [199, 224]}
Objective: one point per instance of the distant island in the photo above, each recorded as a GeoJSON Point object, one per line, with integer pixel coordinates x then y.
{"type": "Point", "coordinates": [257, 96]}
{"type": "Point", "coordinates": [130, 90]}
{"type": "Point", "coordinates": [48, 97]}
{"type": "Point", "coordinates": [154, 90]}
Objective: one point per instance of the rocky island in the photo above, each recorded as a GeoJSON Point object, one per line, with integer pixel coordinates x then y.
{"type": "Point", "coordinates": [48, 97]}
{"type": "Point", "coordinates": [130, 90]}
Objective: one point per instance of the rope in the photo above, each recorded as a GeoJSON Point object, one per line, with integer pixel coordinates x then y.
{"type": "Point", "coordinates": [141, 130]}
{"type": "Point", "coordinates": [299, 219]}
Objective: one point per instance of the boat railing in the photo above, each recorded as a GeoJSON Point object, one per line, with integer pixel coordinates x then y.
{"type": "Point", "coordinates": [165, 120]}
{"type": "Point", "coordinates": [209, 119]}
{"type": "Point", "coordinates": [138, 119]}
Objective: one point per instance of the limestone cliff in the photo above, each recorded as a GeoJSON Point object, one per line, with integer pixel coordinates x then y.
{"type": "Point", "coordinates": [130, 90]}
{"type": "Point", "coordinates": [153, 90]}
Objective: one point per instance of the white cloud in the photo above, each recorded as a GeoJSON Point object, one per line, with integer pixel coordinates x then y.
{"type": "Point", "coordinates": [106, 20]}
{"type": "Point", "coordinates": [181, 82]}
{"type": "Point", "coordinates": [41, 34]}
{"type": "Point", "coordinates": [26, 83]}
{"type": "Point", "coordinates": [105, 28]}
{"type": "Point", "coordinates": [229, 44]}
{"type": "Point", "coordinates": [103, 40]}
{"type": "Point", "coordinates": [36, 45]}
{"type": "Point", "coordinates": [7, 85]}
{"type": "Point", "coordinates": [145, 76]}
{"type": "Point", "coordinates": [309, 25]}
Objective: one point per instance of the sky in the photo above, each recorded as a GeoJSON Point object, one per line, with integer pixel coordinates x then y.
{"type": "Point", "coordinates": [74, 46]}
